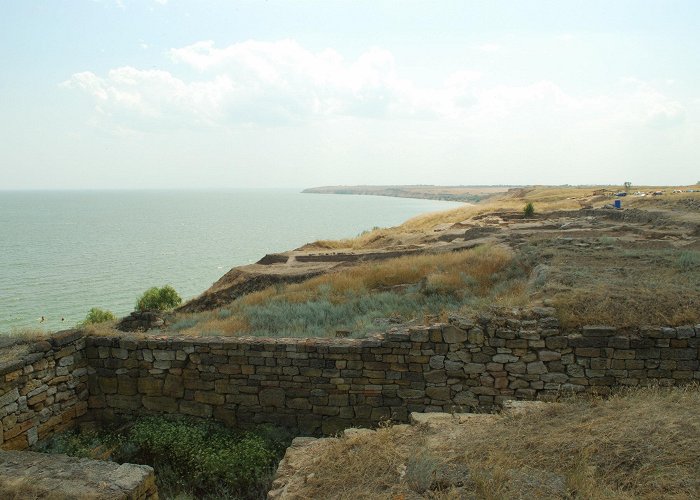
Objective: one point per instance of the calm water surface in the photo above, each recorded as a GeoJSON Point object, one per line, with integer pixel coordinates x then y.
{"type": "Point", "coordinates": [62, 253]}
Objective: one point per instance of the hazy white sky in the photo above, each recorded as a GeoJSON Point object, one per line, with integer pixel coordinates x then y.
{"type": "Point", "coordinates": [227, 94]}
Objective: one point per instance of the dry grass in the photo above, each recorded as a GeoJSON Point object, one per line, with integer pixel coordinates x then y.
{"type": "Point", "coordinates": [106, 328]}
{"type": "Point", "coordinates": [545, 199]}
{"type": "Point", "coordinates": [446, 271]}
{"type": "Point", "coordinates": [627, 308]}
{"type": "Point", "coordinates": [621, 284]}
{"type": "Point", "coordinates": [470, 274]}
{"type": "Point", "coordinates": [18, 342]}
{"type": "Point", "coordinates": [13, 352]}
{"type": "Point", "coordinates": [641, 443]}
{"type": "Point", "coordinates": [26, 489]}
{"type": "Point", "coordinates": [368, 239]}
{"type": "Point", "coordinates": [28, 334]}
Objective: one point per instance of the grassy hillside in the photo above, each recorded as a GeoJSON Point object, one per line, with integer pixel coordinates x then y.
{"type": "Point", "coordinates": [403, 289]}
{"type": "Point", "coordinates": [626, 268]}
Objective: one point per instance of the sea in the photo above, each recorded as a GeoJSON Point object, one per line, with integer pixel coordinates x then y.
{"type": "Point", "coordinates": [64, 252]}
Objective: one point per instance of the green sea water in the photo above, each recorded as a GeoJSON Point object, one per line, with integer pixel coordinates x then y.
{"type": "Point", "coordinates": [63, 252]}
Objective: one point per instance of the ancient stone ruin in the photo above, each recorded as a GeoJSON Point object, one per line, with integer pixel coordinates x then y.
{"type": "Point", "coordinates": [322, 386]}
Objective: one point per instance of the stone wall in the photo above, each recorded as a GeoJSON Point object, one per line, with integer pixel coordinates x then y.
{"type": "Point", "coordinates": [43, 387]}
{"type": "Point", "coordinates": [322, 386]}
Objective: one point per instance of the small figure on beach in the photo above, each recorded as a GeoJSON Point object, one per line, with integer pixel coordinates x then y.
{"type": "Point", "coordinates": [42, 319]}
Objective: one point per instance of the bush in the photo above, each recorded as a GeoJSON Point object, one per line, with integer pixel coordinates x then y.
{"type": "Point", "coordinates": [529, 210]}
{"type": "Point", "coordinates": [161, 299]}
{"type": "Point", "coordinates": [207, 454]}
{"type": "Point", "coordinates": [191, 459]}
{"type": "Point", "coordinates": [97, 315]}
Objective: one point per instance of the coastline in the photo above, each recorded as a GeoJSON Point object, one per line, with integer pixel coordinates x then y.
{"type": "Point", "coordinates": [465, 194]}
{"type": "Point", "coordinates": [188, 239]}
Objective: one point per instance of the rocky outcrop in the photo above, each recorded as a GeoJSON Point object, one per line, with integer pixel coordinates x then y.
{"type": "Point", "coordinates": [37, 475]}
{"type": "Point", "coordinates": [141, 321]}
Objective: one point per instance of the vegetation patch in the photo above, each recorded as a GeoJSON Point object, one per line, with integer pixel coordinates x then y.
{"type": "Point", "coordinates": [97, 315]}
{"type": "Point", "coordinates": [192, 459]}
{"type": "Point", "coordinates": [401, 290]}
{"type": "Point", "coordinates": [160, 299]}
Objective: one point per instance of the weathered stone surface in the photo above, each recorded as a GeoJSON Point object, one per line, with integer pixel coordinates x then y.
{"type": "Point", "coordinates": [196, 409]}
{"type": "Point", "coordinates": [549, 355]}
{"type": "Point", "coordinates": [9, 397]}
{"type": "Point", "coordinates": [37, 475]}
{"type": "Point", "coordinates": [437, 362]}
{"type": "Point", "coordinates": [160, 404]}
{"type": "Point", "coordinates": [598, 331]}
{"type": "Point", "coordinates": [150, 386]}
{"type": "Point", "coordinates": [441, 393]}
{"type": "Point", "coordinates": [272, 397]}
{"type": "Point", "coordinates": [453, 335]}
{"type": "Point", "coordinates": [209, 398]}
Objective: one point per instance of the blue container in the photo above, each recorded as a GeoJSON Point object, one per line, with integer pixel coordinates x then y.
{"type": "Point", "coordinates": [618, 203]}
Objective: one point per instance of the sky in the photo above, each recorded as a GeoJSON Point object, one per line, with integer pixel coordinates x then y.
{"type": "Point", "coordinates": [177, 94]}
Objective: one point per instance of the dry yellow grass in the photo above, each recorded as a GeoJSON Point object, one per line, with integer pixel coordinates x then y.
{"type": "Point", "coordinates": [641, 443]}
{"type": "Point", "coordinates": [470, 272]}
{"type": "Point", "coordinates": [627, 307]}
{"type": "Point", "coordinates": [545, 198]}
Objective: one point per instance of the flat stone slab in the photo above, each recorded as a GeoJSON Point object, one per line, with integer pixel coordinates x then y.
{"type": "Point", "coordinates": [27, 474]}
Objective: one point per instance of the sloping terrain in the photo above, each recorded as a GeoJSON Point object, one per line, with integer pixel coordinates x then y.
{"type": "Point", "coordinates": [596, 264]}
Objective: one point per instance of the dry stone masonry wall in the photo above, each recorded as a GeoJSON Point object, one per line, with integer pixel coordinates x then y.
{"type": "Point", "coordinates": [322, 386]}
{"type": "Point", "coordinates": [43, 388]}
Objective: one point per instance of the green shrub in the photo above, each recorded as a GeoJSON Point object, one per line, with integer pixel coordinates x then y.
{"type": "Point", "coordinates": [161, 299]}
{"type": "Point", "coordinates": [97, 315]}
{"type": "Point", "coordinates": [191, 458]}
{"type": "Point", "coordinates": [207, 456]}
{"type": "Point", "coordinates": [529, 209]}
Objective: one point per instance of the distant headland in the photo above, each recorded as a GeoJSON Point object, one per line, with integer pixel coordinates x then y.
{"type": "Point", "coordinates": [467, 194]}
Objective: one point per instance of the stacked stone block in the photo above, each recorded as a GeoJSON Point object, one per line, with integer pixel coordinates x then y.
{"type": "Point", "coordinates": [43, 390]}
{"type": "Point", "coordinates": [322, 385]}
